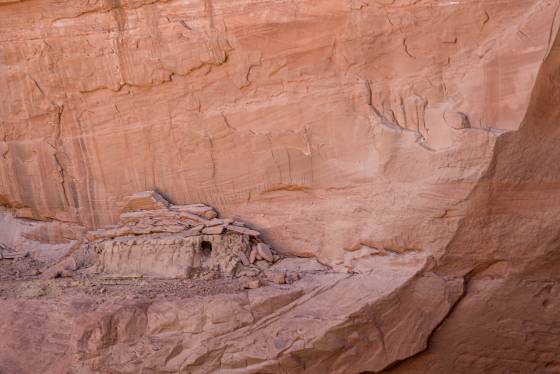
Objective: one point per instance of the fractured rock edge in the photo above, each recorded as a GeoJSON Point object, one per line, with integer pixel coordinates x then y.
{"type": "Point", "coordinates": [156, 238]}
{"type": "Point", "coordinates": [325, 322]}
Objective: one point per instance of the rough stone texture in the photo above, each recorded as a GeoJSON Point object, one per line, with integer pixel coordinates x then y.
{"type": "Point", "coordinates": [172, 256]}
{"type": "Point", "coordinates": [146, 200]}
{"type": "Point", "coordinates": [156, 239]}
{"type": "Point", "coordinates": [372, 134]}
{"type": "Point", "coordinates": [264, 330]}
{"type": "Point", "coordinates": [267, 110]}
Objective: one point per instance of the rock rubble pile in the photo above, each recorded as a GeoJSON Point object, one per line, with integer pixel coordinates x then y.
{"type": "Point", "coordinates": [157, 239]}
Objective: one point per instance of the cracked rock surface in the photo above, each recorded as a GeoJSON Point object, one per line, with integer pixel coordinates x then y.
{"type": "Point", "coordinates": [398, 157]}
{"type": "Point", "coordinates": [83, 328]}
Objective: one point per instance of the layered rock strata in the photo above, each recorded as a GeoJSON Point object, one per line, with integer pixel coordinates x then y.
{"type": "Point", "coordinates": [414, 135]}
{"type": "Point", "coordinates": [155, 238]}
{"type": "Point", "coordinates": [290, 314]}
{"type": "Point", "coordinates": [324, 322]}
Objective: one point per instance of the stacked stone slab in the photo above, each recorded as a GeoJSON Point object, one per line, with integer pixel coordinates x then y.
{"type": "Point", "coordinates": [3, 248]}
{"type": "Point", "coordinates": [6, 253]}
{"type": "Point", "coordinates": [158, 239]}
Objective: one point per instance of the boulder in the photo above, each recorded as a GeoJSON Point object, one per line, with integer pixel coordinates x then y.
{"type": "Point", "coordinates": [265, 252]}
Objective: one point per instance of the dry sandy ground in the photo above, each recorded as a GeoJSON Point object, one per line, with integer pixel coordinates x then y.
{"type": "Point", "coordinates": [23, 278]}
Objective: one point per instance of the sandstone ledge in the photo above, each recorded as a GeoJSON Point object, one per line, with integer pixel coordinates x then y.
{"type": "Point", "coordinates": [325, 321]}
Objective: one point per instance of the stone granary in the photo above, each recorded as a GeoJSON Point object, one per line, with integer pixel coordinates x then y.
{"type": "Point", "coordinates": [154, 238]}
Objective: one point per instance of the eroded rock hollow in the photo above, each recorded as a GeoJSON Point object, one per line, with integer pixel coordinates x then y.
{"type": "Point", "coordinates": [274, 186]}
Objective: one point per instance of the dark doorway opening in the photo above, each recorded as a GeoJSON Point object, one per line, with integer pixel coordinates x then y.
{"type": "Point", "coordinates": [206, 247]}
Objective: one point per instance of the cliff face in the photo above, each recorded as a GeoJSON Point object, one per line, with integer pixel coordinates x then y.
{"type": "Point", "coordinates": [375, 118]}
{"type": "Point", "coordinates": [425, 130]}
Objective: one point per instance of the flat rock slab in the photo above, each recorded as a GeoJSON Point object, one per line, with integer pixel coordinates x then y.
{"type": "Point", "coordinates": [299, 264]}
{"type": "Point", "coordinates": [266, 329]}
{"type": "Point", "coordinates": [145, 200]}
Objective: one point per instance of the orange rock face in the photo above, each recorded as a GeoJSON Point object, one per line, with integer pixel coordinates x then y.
{"type": "Point", "coordinates": [416, 138]}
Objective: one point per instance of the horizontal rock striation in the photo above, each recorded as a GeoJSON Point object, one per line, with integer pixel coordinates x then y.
{"type": "Point", "coordinates": [410, 146]}
{"type": "Point", "coordinates": [276, 328]}
{"type": "Point", "coordinates": [171, 256]}
{"type": "Point", "coordinates": [155, 238]}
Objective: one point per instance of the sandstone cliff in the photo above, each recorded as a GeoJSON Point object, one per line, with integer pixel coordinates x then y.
{"type": "Point", "coordinates": [409, 145]}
